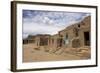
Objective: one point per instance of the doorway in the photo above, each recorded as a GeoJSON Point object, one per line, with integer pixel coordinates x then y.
{"type": "Point", "coordinates": [87, 38]}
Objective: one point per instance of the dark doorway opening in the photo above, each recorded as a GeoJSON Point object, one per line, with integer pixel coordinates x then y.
{"type": "Point", "coordinates": [59, 41]}
{"type": "Point", "coordinates": [86, 38]}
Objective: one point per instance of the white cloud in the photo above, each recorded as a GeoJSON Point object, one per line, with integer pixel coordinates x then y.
{"type": "Point", "coordinates": [42, 22]}
{"type": "Point", "coordinates": [33, 28]}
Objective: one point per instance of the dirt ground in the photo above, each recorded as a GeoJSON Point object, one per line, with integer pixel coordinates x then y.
{"type": "Point", "coordinates": [32, 53]}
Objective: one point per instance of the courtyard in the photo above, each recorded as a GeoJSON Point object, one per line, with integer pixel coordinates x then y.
{"type": "Point", "coordinates": [32, 53]}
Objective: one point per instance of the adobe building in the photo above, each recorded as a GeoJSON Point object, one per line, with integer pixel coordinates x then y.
{"type": "Point", "coordinates": [42, 40]}
{"type": "Point", "coordinates": [73, 36]}
{"type": "Point", "coordinates": [77, 35]}
{"type": "Point", "coordinates": [55, 41]}
{"type": "Point", "coordinates": [29, 39]}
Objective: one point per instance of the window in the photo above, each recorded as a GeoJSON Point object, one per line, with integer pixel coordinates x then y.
{"type": "Point", "coordinates": [79, 25]}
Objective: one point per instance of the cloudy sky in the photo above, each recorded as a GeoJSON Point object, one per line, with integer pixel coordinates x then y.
{"type": "Point", "coordinates": [48, 22]}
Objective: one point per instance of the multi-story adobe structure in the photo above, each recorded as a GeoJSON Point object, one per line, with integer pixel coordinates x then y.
{"type": "Point", "coordinates": [77, 35]}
